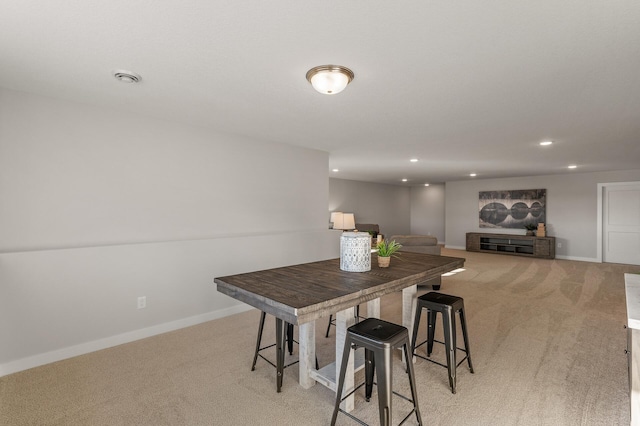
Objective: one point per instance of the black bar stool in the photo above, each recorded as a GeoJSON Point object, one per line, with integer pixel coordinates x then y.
{"type": "Point", "coordinates": [284, 335]}
{"type": "Point", "coordinates": [378, 338]}
{"type": "Point", "coordinates": [448, 306]}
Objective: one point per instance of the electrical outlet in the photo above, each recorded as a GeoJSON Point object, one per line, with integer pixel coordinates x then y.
{"type": "Point", "coordinates": [142, 302]}
{"type": "Point", "coordinates": [559, 245]}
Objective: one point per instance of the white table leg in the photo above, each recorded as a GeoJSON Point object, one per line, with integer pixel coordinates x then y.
{"type": "Point", "coordinates": [344, 320]}
{"type": "Point", "coordinates": [409, 296]}
{"type": "Point", "coordinates": [373, 308]}
{"type": "Point", "coordinates": [307, 352]}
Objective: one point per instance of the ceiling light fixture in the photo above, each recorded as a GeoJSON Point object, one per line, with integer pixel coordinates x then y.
{"type": "Point", "coordinates": [335, 170]}
{"type": "Point", "coordinates": [329, 79]}
{"type": "Point", "coordinates": [404, 180]}
{"type": "Point", "coordinates": [426, 184]}
{"type": "Point", "coordinates": [414, 160]}
{"type": "Point", "coordinates": [473, 174]}
{"type": "Point", "coordinates": [573, 166]}
{"type": "Point", "coordinates": [126, 76]}
{"type": "Point", "coordinates": [545, 143]}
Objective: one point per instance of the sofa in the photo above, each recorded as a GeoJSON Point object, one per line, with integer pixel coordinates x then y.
{"type": "Point", "coordinates": [420, 244]}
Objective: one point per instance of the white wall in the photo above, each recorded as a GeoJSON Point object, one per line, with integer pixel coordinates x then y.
{"type": "Point", "coordinates": [572, 208]}
{"type": "Point", "coordinates": [98, 208]}
{"type": "Point", "coordinates": [427, 211]}
{"type": "Point", "coordinates": [78, 176]}
{"type": "Point", "coordinates": [386, 205]}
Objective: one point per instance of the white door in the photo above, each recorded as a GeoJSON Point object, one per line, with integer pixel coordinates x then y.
{"type": "Point", "coordinates": [621, 223]}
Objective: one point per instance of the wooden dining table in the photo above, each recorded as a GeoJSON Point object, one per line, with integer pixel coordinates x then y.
{"type": "Point", "coordinates": [300, 294]}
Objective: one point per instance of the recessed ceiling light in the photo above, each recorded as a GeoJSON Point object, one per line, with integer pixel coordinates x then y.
{"type": "Point", "coordinates": [545, 143]}
{"type": "Point", "coordinates": [335, 170]}
{"type": "Point", "coordinates": [426, 184]}
{"type": "Point", "coordinates": [414, 160]}
{"type": "Point", "coordinates": [404, 180]}
{"type": "Point", "coordinates": [473, 174]}
{"type": "Point", "coordinates": [126, 76]}
{"type": "Point", "coordinates": [573, 166]}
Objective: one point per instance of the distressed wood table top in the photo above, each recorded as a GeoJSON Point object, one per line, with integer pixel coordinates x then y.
{"type": "Point", "coordinates": [302, 293]}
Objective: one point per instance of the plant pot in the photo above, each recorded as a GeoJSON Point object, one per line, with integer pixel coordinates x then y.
{"type": "Point", "coordinates": [383, 262]}
{"type": "Point", "coordinates": [531, 233]}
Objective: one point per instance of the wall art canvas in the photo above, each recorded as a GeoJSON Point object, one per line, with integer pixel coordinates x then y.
{"type": "Point", "coordinates": [512, 209]}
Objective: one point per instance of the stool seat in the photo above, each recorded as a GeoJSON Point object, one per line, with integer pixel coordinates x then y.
{"type": "Point", "coordinates": [447, 305]}
{"type": "Point", "coordinates": [378, 332]}
{"type": "Point", "coordinates": [443, 299]}
{"type": "Point", "coordinates": [378, 338]}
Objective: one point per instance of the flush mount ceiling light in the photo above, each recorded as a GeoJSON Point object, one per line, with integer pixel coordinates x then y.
{"type": "Point", "coordinates": [329, 79]}
{"type": "Point", "coordinates": [546, 143]}
{"type": "Point", "coordinates": [126, 76]}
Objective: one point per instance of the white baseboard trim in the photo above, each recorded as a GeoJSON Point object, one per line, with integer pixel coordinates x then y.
{"type": "Point", "coordinates": [579, 259]}
{"type": "Point", "coordinates": [108, 342]}
{"type": "Point", "coordinates": [455, 247]}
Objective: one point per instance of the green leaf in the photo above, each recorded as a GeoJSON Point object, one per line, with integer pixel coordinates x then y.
{"type": "Point", "coordinates": [388, 248]}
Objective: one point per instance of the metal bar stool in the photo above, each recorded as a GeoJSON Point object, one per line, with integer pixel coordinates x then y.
{"type": "Point", "coordinates": [448, 306]}
{"type": "Point", "coordinates": [378, 338]}
{"type": "Point", "coordinates": [284, 335]}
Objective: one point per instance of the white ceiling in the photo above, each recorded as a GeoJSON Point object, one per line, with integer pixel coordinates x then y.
{"type": "Point", "coordinates": [464, 86]}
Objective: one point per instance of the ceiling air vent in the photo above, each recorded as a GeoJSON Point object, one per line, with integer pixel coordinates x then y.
{"type": "Point", "coordinates": [126, 76]}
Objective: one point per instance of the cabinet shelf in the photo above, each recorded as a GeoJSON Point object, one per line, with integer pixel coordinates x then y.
{"type": "Point", "coordinates": [518, 245]}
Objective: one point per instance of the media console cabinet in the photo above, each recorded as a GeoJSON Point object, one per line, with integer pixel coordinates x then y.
{"type": "Point", "coordinates": [518, 245]}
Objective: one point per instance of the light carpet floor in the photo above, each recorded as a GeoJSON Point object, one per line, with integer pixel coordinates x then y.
{"type": "Point", "coordinates": [547, 342]}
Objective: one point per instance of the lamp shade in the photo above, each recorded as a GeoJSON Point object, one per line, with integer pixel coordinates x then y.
{"type": "Point", "coordinates": [336, 218]}
{"type": "Point", "coordinates": [343, 220]}
{"type": "Point", "coordinates": [329, 79]}
{"type": "Point", "coordinates": [348, 221]}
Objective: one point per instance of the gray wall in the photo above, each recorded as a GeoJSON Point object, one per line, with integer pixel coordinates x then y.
{"type": "Point", "coordinates": [427, 211]}
{"type": "Point", "coordinates": [98, 208]}
{"type": "Point", "coordinates": [416, 210]}
{"type": "Point", "coordinates": [387, 205]}
{"type": "Point", "coordinates": [572, 208]}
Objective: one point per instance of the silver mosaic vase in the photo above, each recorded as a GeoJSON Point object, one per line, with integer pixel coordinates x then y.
{"type": "Point", "coordinates": [355, 251]}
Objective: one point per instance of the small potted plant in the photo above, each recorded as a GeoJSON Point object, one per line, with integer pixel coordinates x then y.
{"type": "Point", "coordinates": [530, 227]}
{"type": "Point", "coordinates": [386, 249]}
